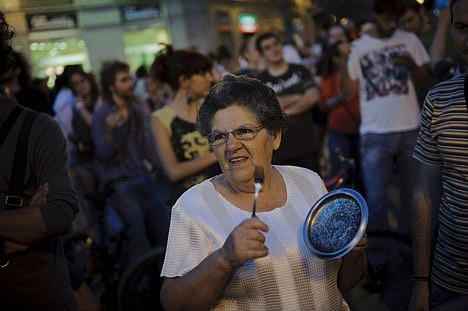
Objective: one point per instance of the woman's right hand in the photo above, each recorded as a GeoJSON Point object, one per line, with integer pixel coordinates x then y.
{"type": "Point", "coordinates": [245, 242]}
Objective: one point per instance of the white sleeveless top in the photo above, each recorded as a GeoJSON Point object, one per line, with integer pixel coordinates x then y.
{"type": "Point", "coordinates": [289, 278]}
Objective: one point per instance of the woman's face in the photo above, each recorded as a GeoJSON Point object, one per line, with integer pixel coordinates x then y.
{"type": "Point", "coordinates": [199, 84]}
{"type": "Point", "coordinates": [80, 84]}
{"type": "Point", "coordinates": [336, 34]}
{"type": "Point", "coordinates": [237, 158]}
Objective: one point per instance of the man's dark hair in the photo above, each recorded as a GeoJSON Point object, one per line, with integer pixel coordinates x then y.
{"type": "Point", "coordinates": [265, 36]}
{"type": "Point", "coordinates": [246, 92]}
{"type": "Point", "coordinates": [108, 74]}
{"type": "Point", "coordinates": [6, 33]}
{"type": "Point", "coordinates": [393, 7]}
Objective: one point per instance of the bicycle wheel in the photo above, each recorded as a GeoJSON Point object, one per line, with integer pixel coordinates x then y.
{"type": "Point", "coordinates": [141, 283]}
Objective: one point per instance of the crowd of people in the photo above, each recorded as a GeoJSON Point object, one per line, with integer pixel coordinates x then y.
{"type": "Point", "coordinates": [174, 148]}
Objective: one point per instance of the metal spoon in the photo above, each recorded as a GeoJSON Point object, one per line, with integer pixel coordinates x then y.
{"type": "Point", "coordinates": [258, 183]}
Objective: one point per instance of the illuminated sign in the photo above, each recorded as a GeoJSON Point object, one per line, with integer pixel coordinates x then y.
{"type": "Point", "coordinates": [51, 21]}
{"type": "Point", "coordinates": [247, 23]}
{"type": "Point", "coordinates": [138, 13]}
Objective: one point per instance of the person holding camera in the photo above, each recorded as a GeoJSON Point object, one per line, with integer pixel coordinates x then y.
{"type": "Point", "coordinates": [297, 94]}
{"type": "Point", "coordinates": [343, 116]}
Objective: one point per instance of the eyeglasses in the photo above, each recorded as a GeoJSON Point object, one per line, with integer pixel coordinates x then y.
{"type": "Point", "coordinates": [217, 138]}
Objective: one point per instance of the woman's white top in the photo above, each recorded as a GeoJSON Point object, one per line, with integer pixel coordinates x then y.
{"type": "Point", "coordinates": [289, 278]}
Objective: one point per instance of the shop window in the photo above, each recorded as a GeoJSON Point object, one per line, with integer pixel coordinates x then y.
{"type": "Point", "coordinates": [49, 57]}
{"type": "Point", "coordinates": [141, 46]}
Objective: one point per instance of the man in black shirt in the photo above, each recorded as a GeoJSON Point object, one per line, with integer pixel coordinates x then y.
{"type": "Point", "coordinates": [297, 94]}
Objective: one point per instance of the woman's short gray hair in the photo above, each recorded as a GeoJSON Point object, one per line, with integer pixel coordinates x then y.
{"type": "Point", "coordinates": [245, 92]}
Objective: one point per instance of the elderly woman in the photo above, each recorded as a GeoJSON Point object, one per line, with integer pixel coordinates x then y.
{"type": "Point", "coordinates": [218, 256]}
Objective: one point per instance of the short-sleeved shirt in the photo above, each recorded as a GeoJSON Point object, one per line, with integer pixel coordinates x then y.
{"type": "Point", "coordinates": [299, 138]}
{"type": "Point", "coordinates": [387, 94]}
{"type": "Point", "coordinates": [289, 278]}
{"type": "Point", "coordinates": [443, 141]}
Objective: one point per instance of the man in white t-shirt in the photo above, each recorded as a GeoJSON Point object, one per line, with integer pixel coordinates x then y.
{"type": "Point", "coordinates": [384, 67]}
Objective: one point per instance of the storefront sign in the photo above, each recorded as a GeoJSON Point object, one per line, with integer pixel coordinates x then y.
{"type": "Point", "coordinates": [138, 13]}
{"type": "Point", "coordinates": [52, 21]}
{"type": "Point", "coordinates": [247, 23]}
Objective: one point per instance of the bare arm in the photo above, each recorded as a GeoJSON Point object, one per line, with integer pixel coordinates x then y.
{"type": "Point", "coordinates": [419, 74]}
{"type": "Point", "coordinates": [353, 267]}
{"type": "Point", "coordinates": [304, 102]}
{"type": "Point", "coordinates": [349, 87]}
{"type": "Point", "coordinates": [174, 169]}
{"type": "Point", "coordinates": [428, 183]}
{"type": "Point", "coordinates": [440, 38]}
{"type": "Point", "coordinates": [199, 289]}
{"type": "Point", "coordinates": [25, 225]}
{"type": "Point", "coordinates": [287, 101]}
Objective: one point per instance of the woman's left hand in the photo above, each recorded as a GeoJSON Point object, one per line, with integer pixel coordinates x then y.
{"type": "Point", "coordinates": [362, 243]}
{"type": "Point", "coordinates": [356, 253]}
{"type": "Point", "coordinates": [353, 266]}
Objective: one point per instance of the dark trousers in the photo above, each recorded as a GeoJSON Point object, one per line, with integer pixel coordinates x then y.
{"type": "Point", "coordinates": [146, 220]}
{"type": "Point", "coordinates": [443, 299]}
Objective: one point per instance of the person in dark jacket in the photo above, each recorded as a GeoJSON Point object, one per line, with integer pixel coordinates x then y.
{"type": "Point", "coordinates": [33, 269]}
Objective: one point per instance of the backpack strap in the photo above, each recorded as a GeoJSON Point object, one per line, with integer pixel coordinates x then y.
{"type": "Point", "coordinates": [14, 198]}
{"type": "Point", "coordinates": [8, 124]}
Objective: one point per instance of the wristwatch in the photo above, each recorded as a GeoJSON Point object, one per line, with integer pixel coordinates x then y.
{"type": "Point", "coordinates": [3, 258]}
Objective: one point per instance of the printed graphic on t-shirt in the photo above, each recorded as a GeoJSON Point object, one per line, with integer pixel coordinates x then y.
{"type": "Point", "coordinates": [193, 144]}
{"type": "Point", "coordinates": [381, 76]}
{"type": "Point", "coordinates": [282, 84]}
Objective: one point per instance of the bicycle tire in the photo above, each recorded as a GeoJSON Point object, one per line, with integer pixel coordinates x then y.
{"type": "Point", "coordinates": [141, 282]}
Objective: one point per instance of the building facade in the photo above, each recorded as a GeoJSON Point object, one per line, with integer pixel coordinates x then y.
{"type": "Point", "coordinates": [54, 33]}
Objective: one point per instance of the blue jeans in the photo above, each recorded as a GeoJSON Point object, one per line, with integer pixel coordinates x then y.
{"type": "Point", "coordinates": [84, 182]}
{"type": "Point", "coordinates": [387, 160]}
{"type": "Point", "coordinates": [142, 212]}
